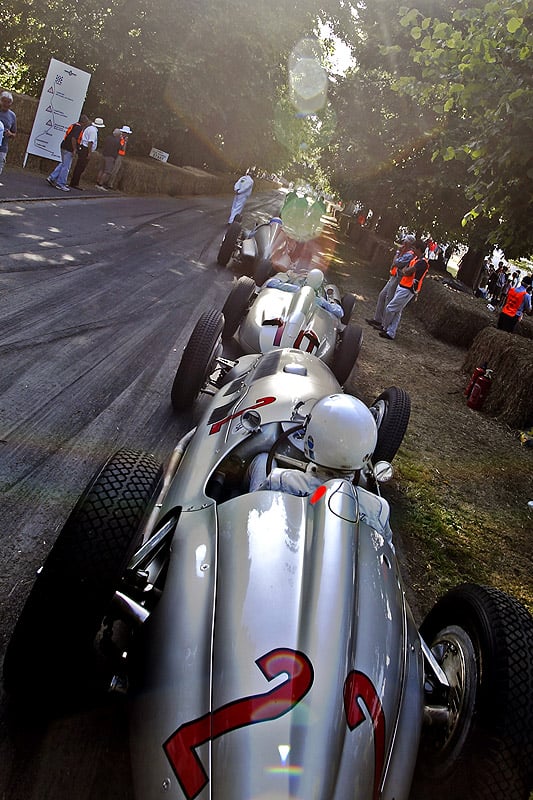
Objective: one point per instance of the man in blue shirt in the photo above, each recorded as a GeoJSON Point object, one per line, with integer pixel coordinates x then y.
{"type": "Point", "coordinates": [9, 121]}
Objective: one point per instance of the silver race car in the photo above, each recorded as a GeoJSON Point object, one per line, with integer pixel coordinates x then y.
{"type": "Point", "coordinates": [290, 310]}
{"type": "Point", "coordinates": [261, 629]}
{"type": "Point", "coordinates": [261, 251]}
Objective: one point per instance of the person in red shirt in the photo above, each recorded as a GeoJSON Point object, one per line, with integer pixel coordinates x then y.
{"type": "Point", "coordinates": [517, 303]}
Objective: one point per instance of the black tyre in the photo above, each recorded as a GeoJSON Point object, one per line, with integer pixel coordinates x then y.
{"type": "Point", "coordinates": [392, 410]}
{"type": "Point", "coordinates": [347, 303]}
{"type": "Point", "coordinates": [263, 270]}
{"type": "Point", "coordinates": [50, 654]}
{"type": "Point", "coordinates": [483, 640]}
{"type": "Point", "coordinates": [197, 360]}
{"type": "Point", "coordinates": [347, 352]}
{"type": "Point", "coordinates": [236, 305]}
{"type": "Point", "coordinates": [229, 242]}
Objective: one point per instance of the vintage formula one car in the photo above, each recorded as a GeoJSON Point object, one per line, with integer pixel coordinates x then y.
{"type": "Point", "coordinates": [263, 628]}
{"type": "Point", "coordinates": [300, 311]}
{"type": "Point", "coordinates": [261, 251]}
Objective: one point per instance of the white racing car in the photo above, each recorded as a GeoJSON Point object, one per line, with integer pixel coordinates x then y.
{"type": "Point", "coordinates": [298, 310]}
{"type": "Point", "coordinates": [261, 629]}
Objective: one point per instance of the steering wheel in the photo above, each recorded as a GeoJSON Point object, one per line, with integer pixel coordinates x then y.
{"type": "Point", "coordinates": [281, 438]}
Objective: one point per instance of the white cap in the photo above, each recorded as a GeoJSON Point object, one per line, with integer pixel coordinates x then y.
{"type": "Point", "coordinates": [98, 122]}
{"type": "Point", "coordinates": [126, 129]}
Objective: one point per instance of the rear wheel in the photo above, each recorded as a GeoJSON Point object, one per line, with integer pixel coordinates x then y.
{"type": "Point", "coordinates": [347, 303]}
{"type": "Point", "coordinates": [229, 243]}
{"type": "Point", "coordinates": [50, 654]}
{"type": "Point", "coordinates": [198, 359]}
{"type": "Point", "coordinates": [392, 410]}
{"type": "Point", "coordinates": [347, 352]}
{"type": "Point", "coordinates": [483, 640]}
{"type": "Point", "coordinates": [236, 305]}
{"type": "Point", "coordinates": [263, 270]}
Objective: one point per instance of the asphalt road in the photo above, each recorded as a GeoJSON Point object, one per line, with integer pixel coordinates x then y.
{"type": "Point", "coordinates": [98, 297]}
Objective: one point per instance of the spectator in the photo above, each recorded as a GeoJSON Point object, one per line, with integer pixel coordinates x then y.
{"type": "Point", "coordinates": [492, 285]}
{"type": "Point", "coordinates": [69, 147]}
{"type": "Point", "coordinates": [243, 189]}
{"type": "Point", "coordinates": [88, 144]}
{"type": "Point", "coordinates": [401, 259]}
{"type": "Point", "coordinates": [408, 288]}
{"type": "Point", "coordinates": [9, 121]}
{"type": "Point", "coordinates": [110, 154]}
{"type": "Point", "coordinates": [517, 304]}
{"type": "Point", "coordinates": [125, 133]}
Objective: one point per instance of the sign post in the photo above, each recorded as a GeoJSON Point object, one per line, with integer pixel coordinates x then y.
{"type": "Point", "coordinates": [60, 105]}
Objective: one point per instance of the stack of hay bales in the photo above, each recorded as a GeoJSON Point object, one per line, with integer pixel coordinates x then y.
{"type": "Point", "coordinates": [452, 316]}
{"type": "Point", "coordinates": [457, 317]}
{"type": "Point", "coordinates": [511, 357]}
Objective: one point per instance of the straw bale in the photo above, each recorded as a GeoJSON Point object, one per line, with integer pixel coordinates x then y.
{"type": "Point", "coordinates": [511, 357]}
{"type": "Point", "coordinates": [450, 315]}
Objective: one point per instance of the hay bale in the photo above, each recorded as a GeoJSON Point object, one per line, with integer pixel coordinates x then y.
{"type": "Point", "coordinates": [511, 357]}
{"type": "Point", "coordinates": [450, 315]}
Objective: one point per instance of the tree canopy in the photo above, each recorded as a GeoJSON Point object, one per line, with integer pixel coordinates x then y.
{"type": "Point", "coordinates": [431, 126]}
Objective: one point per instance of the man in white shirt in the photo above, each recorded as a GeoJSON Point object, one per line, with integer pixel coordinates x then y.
{"type": "Point", "coordinates": [243, 189]}
{"type": "Point", "coordinates": [88, 144]}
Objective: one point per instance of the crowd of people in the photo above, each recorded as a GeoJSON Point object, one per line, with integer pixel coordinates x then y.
{"type": "Point", "coordinates": [78, 145]}
{"type": "Point", "coordinates": [506, 291]}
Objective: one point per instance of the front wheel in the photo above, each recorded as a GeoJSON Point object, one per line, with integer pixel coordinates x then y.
{"type": "Point", "coordinates": [483, 640]}
{"type": "Point", "coordinates": [347, 303]}
{"type": "Point", "coordinates": [347, 352]}
{"type": "Point", "coordinates": [50, 654]}
{"type": "Point", "coordinates": [197, 361]}
{"type": "Point", "coordinates": [236, 305]}
{"type": "Point", "coordinates": [229, 243]}
{"type": "Point", "coordinates": [392, 410]}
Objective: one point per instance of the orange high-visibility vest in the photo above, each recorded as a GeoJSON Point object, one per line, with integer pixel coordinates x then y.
{"type": "Point", "coordinates": [394, 268]}
{"type": "Point", "coordinates": [413, 281]}
{"type": "Point", "coordinates": [122, 146]}
{"type": "Point", "coordinates": [515, 298]}
{"type": "Point", "coordinates": [69, 129]}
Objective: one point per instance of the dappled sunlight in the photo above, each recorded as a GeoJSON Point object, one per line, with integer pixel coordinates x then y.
{"type": "Point", "coordinates": [28, 257]}
{"type": "Point", "coordinates": [29, 236]}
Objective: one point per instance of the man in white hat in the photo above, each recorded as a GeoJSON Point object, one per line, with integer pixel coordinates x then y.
{"type": "Point", "coordinates": [117, 166]}
{"type": "Point", "coordinates": [88, 145]}
{"type": "Point", "coordinates": [9, 122]}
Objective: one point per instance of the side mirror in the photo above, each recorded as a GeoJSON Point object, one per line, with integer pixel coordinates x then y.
{"type": "Point", "coordinates": [383, 471]}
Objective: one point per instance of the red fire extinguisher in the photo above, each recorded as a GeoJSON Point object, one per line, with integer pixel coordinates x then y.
{"type": "Point", "coordinates": [477, 373]}
{"type": "Point", "coordinates": [480, 390]}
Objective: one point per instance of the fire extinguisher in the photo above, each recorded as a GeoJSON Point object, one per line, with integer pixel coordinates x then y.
{"type": "Point", "coordinates": [480, 390]}
{"type": "Point", "coordinates": [477, 373]}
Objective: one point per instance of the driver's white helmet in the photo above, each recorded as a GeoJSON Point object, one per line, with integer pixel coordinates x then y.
{"type": "Point", "coordinates": [341, 433]}
{"type": "Point", "coordinates": [315, 278]}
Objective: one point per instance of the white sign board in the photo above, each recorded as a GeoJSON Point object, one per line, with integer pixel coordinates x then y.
{"type": "Point", "coordinates": [60, 105]}
{"type": "Point", "coordinates": [159, 155]}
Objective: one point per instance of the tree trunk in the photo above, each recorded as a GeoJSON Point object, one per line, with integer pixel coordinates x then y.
{"type": "Point", "coordinates": [470, 268]}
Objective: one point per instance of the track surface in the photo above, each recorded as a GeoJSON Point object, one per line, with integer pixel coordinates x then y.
{"type": "Point", "coordinates": [98, 297]}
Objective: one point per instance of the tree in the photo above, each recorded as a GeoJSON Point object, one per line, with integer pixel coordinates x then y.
{"type": "Point", "coordinates": [475, 75]}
